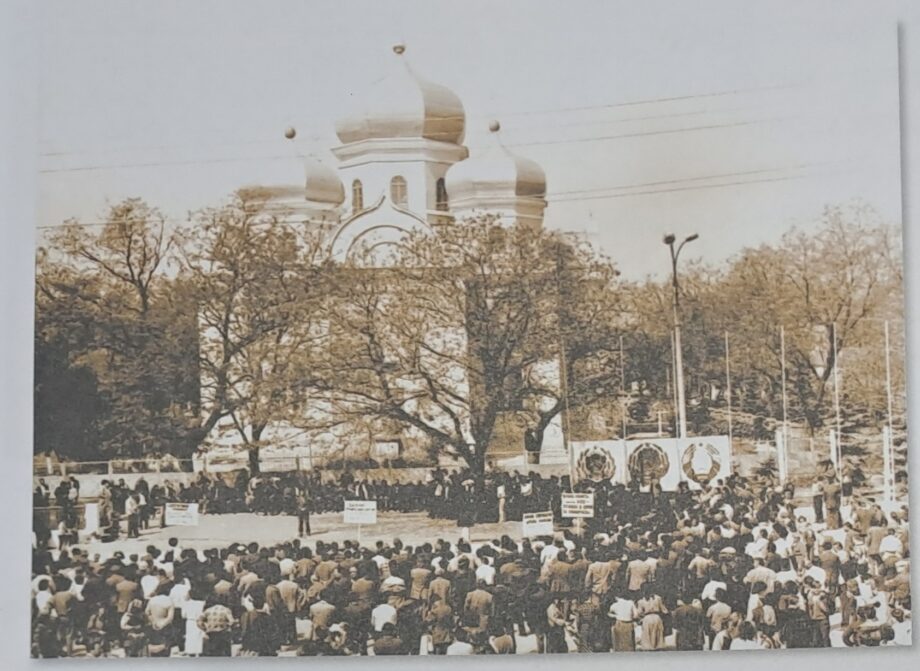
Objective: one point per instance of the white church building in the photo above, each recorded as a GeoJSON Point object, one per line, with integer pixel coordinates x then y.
{"type": "Point", "coordinates": [401, 167]}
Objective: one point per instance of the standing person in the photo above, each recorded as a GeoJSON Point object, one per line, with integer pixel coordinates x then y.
{"type": "Point", "coordinates": [501, 493]}
{"type": "Point", "coordinates": [651, 608]}
{"type": "Point", "coordinates": [134, 629]}
{"type": "Point", "coordinates": [556, 624]}
{"type": "Point", "coordinates": [440, 619]}
{"type": "Point", "coordinates": [624, 613]}
{"type": "Point", "coordinates": [132, 507]}
{"type": "Point", "coordinates": [216, 621]}
{"type": "Point", "coordinates": [262, 637]}
{"type": "Point", "coordinates": [746, 638]}
{"type": "Point", "coordinates": [689, 625]}
{"type": "Point", "coordinates": [593, 632]}
{"type": "Point", "coordinates": [160, 613]}
{"type": "Point", "coordinates": [817, 609]}
{"type": "Point", "coordinates": [192, 609]}
{"type": "Point", "coordinates": [304, 508]}
{"type": "Point", "coordinates": [832, 493]}
{"type": "Point", "coordinates": [817, 497]}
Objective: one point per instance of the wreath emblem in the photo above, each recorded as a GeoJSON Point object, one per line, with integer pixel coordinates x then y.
{"type": "Point", "coordinates": [648, 463]}
{"type": "Point", "coordinates": [701, 462]}
{"type": "Point", "coordinates": [595, 464]}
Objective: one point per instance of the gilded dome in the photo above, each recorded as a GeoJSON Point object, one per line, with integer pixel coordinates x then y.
{"type": "Point", "coordinates": [495, 172]}
{"type": "Point", "coordinates": [403, 105]}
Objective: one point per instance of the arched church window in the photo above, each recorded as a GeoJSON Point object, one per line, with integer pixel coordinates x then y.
{"type": "Point", "coordinates": [398, 190]}
{"type": "Point", "coordinates": [440, 195]}
{"type": "Point", "coordinates": [357, 196]}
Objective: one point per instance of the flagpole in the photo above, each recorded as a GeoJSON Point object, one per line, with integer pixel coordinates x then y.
{"type": "Point", "coordinates": [837, 445]}
{"type": "Point", "coordinates": [622, 368]}
{"type": "Point", "coordinates": [782, 347]}
{"type": "Point", "coordinates": [890, 446]}
{"type": "Point", "coordinates": [563, 373]}
{"type": "Point", "coordinates": [728, 396]}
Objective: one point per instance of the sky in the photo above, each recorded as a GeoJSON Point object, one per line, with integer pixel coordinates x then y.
{"type": "Point", "coordinates": [647, 118]}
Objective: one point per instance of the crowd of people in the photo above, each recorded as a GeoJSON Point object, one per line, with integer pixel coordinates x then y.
{"type": "Point", "coordinates": [725, 567]}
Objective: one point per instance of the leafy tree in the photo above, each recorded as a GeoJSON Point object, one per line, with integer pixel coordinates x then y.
{"type": "Point", "coordinates": [105, 305]}
{"type": "Point", "coordinates": [256, 284]}
{"type": "Point", "coordinates": [462, 326]}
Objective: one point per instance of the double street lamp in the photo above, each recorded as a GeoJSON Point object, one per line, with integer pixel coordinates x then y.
{"type": "Point", "coordinates": [669, 240]}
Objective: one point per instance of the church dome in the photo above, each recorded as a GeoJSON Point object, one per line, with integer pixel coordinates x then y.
{"type": "Point", "coordinates": [495, 172]}
{"type": "Point", "coordinates": [322, 184]}
{"type": "Point", "coordinates": [318, 183]}
{"type": "Point", "coordinates": [403, 105]}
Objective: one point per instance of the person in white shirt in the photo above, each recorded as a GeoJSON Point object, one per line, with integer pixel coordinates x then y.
{"type": "Point", "coordinates": [891, 545]}
{"type": "Point", "coordinates": [902, 628]}
{"type": "Point", "coordinates": [460, 645]}
{"type": "Point", "coordinates": [179, 593]}
{"type": "Point", "coordinates": [149, 584]}
{"type": "Point", "coordinates": [818, 574]}
{"type": "Point", "coordinates": [549, 553]}
{"type": "Point", "coordinates": [43, 596]}
{"type": "Point", "coordinates": [709, 590]}
{"type": "Point", "coordinates": [486, 572]}
{"type": "Point", "coordinates": [381, 615]}
{"type": "Point", "coordinates": [758, 547]}
{"type": "Point", "coordinates": [761, 573]}
{"type": "Point", "coordinates": [746, 639]}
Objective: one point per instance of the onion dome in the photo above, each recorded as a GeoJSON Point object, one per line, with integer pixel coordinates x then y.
{"type": "Point", "coordinates": [403, 105]}
{"type": "Point", "coordinates": [297, 179]}
{"type": "Point", "coordinates": [322, 184]}
{"type": "Point", "coordinates": [495, 173]}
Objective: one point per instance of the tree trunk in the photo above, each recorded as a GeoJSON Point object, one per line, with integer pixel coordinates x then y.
{"type": "Point", "coordinates": [254, 449]}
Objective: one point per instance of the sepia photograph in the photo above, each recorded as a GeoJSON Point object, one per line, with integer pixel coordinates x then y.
{"type": "Point", "coordinates": [466, 328]}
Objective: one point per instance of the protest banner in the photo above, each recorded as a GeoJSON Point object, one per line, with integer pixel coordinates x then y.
{"type": "Point", "coordinates": [360, 512]}
{"type": "Point", "coordinates": [577, 505]}
{"type": "Point", "coordinates": [537, 524]}
{"type": "Point", "coordinates": [181, 514]}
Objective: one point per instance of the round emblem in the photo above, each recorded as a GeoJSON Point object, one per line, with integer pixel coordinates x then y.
{"type": "Point", "coordinates": [701, 462]}
{"type": "Point", "coordinates": [648, 463]}
{"type": "Point", "coordinates": [595, 464]}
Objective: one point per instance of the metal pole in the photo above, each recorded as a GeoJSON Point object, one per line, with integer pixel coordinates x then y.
{"type": "Point", "coordinates": [782, 349]}
{"type": "Point", "coordinates": [728, 395]}
{"type": "Point", "coordinates": [890, 442]}
{"type": "Point", "coordinates": [837, 444]}
{"type": "Point", "coordinates": [676, 412]}
{"type": "Point", "coordinates": [563, 373]}
{"type": "Point", "coordinates": [679, 368]}
{"type": "Point", "coordinates": [622, 368]}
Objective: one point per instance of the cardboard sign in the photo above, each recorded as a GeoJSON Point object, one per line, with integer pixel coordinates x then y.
{"type": "Point", "coordinates": [537, 524]}
{"type": "Point", "coordinates": [182, 514]}
{"type": "Point", "coordinates": [577, 505]}
{"type": "Point", "coordinates": [360, 512]}
{"type": "Point", "coordinates": [387, 449]}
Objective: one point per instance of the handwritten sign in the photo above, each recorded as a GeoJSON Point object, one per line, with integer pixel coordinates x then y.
{"type": "Point", "coordinates": [181, 514]}
{"type": "Point", "coordinates": [360, 512]}
{"type": "Point", "coordinates": [577, 505]}
{"type": "Point", "coordinates": [537, 524]}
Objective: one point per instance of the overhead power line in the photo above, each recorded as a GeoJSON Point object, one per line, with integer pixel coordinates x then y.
{"type": "Point", "coordinates": [616, 191]}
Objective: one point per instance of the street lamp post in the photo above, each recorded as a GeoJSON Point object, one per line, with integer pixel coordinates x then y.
{"type": "Point", "coordinates": [669, 240]}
